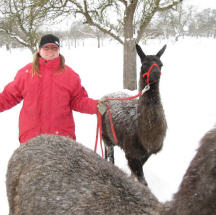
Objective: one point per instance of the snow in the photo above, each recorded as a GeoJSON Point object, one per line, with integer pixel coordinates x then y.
{"type": "Point", "coordinates": [187, 91]}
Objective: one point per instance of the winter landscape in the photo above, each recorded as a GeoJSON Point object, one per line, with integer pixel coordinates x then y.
{"type": "Point", "coordinates": [187, 90]}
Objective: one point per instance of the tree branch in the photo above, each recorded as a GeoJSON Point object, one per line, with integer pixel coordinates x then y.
{"type": "Point", "coordinates": [146, 20]}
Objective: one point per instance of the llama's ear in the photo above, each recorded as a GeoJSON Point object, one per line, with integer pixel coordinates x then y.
{"type": "Point", "coordinates": [140, 52]}
{"type": "Point", "coordinates": [161, 51]}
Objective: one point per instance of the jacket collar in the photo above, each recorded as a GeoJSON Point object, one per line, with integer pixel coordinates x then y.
{"type": "Point", "coordinates": [51, 64]}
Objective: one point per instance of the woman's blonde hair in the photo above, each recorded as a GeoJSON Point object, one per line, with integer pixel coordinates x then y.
{"type": "Point", "coordinates": [36, 66]}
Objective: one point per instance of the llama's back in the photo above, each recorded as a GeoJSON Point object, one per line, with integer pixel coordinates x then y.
{"type": "Point", "coordinates": [54, 175]}
{"type": "Point", "coordinates": [38, 177]}
{"type": "Point", "coordinates": [124, 115]}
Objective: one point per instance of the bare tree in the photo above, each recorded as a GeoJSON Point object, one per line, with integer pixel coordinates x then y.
{"type": "Point", "coordinates": [175, 22]}
{"type": "Point", "coordinates": [21, 19]}
{"type": "Point", "coordinates": [78, 31]}
{"type": "Point", "coordinates": [206, 22]}
{"type": "Point", "coordinates": [123, 20]}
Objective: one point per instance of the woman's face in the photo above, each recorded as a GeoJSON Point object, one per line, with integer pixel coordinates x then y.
{"type": "Point", "coordinates": [49, 52]}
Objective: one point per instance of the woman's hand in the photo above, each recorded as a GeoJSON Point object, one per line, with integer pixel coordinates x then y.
{"type": "Point", "coordinates": [102, 106]}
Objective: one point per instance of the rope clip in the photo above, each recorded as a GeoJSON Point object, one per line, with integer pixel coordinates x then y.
{"type": "Point", "coordinates": [146, 88]}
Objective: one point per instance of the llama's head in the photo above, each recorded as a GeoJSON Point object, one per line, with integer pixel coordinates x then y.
{"type": "Point", "coordinates": [151, 66]}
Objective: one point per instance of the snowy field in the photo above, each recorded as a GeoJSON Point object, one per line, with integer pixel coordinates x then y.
{"type": "Point", "coordinates": [187, 90]}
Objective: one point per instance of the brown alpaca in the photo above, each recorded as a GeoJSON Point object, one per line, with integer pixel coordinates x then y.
{"type": "Point", "coordinates": [140, 124]}
{"type": "Point", "coordinates": [54, 175]}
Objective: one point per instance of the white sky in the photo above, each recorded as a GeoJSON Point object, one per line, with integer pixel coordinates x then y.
{"type": "Point", "coordinates": [201, 4]}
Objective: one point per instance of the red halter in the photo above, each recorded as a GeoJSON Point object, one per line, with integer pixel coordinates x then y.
{"type": "Point", "coordinates": [148, 73]}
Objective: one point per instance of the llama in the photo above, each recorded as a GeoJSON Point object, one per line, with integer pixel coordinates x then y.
{"type": "Point", "coordinates": [139, 124]}
{"type": "Point", "coordinates": [197, 193]}
{"type": "Point", "coordinates": [55, 175]}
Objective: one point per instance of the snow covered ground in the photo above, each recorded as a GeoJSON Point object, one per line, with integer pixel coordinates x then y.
{"type": "Point", "coordinates": [187, 91]}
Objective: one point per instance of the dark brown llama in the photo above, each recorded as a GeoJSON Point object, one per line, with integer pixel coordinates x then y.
{"type": "Point", "coordinates": [139, 124]}
{"type": "Point", "coordinates": [55, 175]}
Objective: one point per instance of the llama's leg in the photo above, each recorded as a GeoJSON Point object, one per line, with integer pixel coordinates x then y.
{"type": "Point", "coordinates": [109, 154]}
{"type": "Point", "coordinates": [109, 149]}
{"type": "Point", "coordinates": [136, 167]}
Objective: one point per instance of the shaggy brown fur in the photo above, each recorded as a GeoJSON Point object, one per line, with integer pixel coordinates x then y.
{"type": "Point", "coordinates": [140, 124]}
{"type": "Point", "coordinates": [197, 193]}
{"type": "Point", "coordinates": [53, 175]}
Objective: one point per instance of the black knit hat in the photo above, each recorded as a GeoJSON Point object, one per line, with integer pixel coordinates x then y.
{"type": "Point", "coordinates": [49, 39]}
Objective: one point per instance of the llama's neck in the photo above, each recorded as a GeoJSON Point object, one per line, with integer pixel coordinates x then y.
{"type": "Point", "coordinates": [151, 121]}
{"type": "Point", "coordinates": [151, 97]}
{"type": "Point", "coordinates": [150, 107]}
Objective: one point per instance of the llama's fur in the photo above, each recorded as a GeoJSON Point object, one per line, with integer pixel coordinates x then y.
{"type": "Point", "coordinates": [139, 124]}
{"type": "Point", "coordinates": [54, 175]}
{"type": "Point", "coordinates": [197, 192]}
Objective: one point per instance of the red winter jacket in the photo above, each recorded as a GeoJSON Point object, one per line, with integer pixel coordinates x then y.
{"type": "Point", "coordinates": [48, 100]}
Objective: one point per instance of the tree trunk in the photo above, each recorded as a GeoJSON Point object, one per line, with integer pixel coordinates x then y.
{"type": "Point", "coordinates": [75, 43]}
{"type": "Point", "coordinates": [98, 41]}
{"type": "Point", "coordinates": [129, 66]}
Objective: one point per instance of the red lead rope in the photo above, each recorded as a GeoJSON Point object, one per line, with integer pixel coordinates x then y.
{"type": "Point", "coordinates": [99, 118]}
{"type": "Point", "coordinates": [99, 121]}
{"type": "Point", "coordinates": [99, 130]}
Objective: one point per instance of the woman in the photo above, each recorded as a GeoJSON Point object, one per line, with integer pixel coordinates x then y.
{"type": "Point", "coordinates": [50, 90]}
